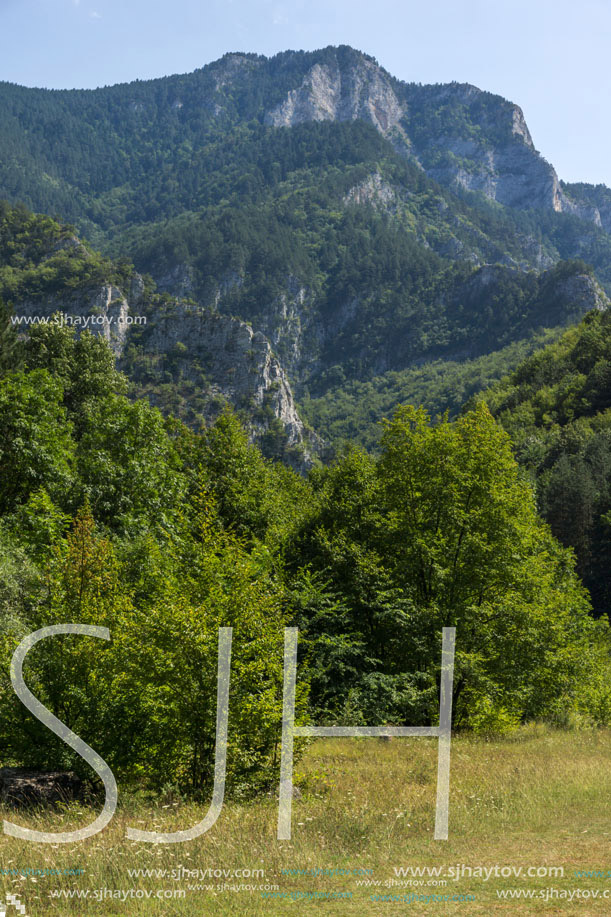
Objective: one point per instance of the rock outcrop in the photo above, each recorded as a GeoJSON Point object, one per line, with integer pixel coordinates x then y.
{"type": "Point", "coordinates": [103, 310]}
{"type": "Point", "coordinates": [372, 190]}
{"type": "Point", "coordinates": [238, 364]}
{"type": "Point", "coordinates": [332, 93]}
{"type": "Point", "coordinates": [484, 146]}
{"type": "Point", "coordinates": [20, 787]}
{"type": "Point", "coordinates": [582, 293]}
{"type": "Point", "coordinates": [221, 357]}
{"type": "Point", "coordinates": [590, 202]}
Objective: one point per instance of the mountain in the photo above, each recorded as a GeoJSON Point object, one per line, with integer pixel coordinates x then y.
{"type": "Point", "coordinates": [83, 144]}
{"type": "Point", "coordinates": [47, 274]}
{"type": "Point", "coordinates": [309, 208]}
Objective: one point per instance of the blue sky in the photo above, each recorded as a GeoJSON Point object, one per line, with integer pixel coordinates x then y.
{"type": "Point", "coordinates": [550, 56]}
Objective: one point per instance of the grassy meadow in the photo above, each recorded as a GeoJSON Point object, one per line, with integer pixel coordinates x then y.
{"type": "Point", "coordinates": [537, 798]}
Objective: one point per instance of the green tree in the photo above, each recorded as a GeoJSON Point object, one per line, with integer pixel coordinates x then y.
{"type": "Point", "coordinates": [127, 466]}
{"type": "Point", "coordinates": [147, 700]}
{"type": "Point", "coordinates": [36, 447]}
{"type": "Point", "coordinates": [85, 365]}
{"type": "Point", "coordinates": [443, 530]}
{"type": "Point", "coordinates": [11, 355]}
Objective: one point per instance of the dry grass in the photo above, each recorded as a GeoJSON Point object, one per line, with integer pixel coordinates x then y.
{"type": "Point", "coordinates": [539, 798]}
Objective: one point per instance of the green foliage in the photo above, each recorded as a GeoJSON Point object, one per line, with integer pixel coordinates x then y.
{"type": "Point", "coordinates": [556, 405]}
{"type": "Point", "coordinates": [36, 446]}
{"type": "Point", "coordinates": [353, 411]}
{"type": "Point", "coordinates": [10, 351]}
{"type": "Point", "coordinates": [147, 554]}
{"type": "Point", "coordinates": [137, 155]}
{"type": "Point", "coordinates": [114, 516]}
{"type": "Point", "coordinates": [85, 365]}
{"type": "Point", "coordinates": [255, 498]}
{"type": "Point", "coordinates": [221, 206]}
{"type": "Point", "coordinates": [442, 530]}
{"type": "Point", "coordinates": [39, 257]}
{"type": "Point", "coordinates": [147, 701]}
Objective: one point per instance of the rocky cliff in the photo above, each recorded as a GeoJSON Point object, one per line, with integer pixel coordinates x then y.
{"type": "Point", "coordinates": [186, 358]}
{"type": "Point", "coordinates": [460, 135]}
{"type": "Point", "coordinates": [330, 92]}
{"type": "Point", "coordinates": [213, 360]}
{"type": "Point", "coordinates": [306, 216]}
{"type": "Point", "coordinates": [104, 310]}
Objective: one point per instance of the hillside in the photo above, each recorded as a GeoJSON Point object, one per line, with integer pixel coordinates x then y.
{"type": "Point", "coordinates": [315, 245]}
{"type": "Point", "coordinates": [48, 275]}
{"type": "Point", "coordinates": [363, 226]}
{"type": "Point", "coordinates": [557, 407]}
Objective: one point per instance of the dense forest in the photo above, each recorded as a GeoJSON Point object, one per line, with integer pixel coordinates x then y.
{"type": "Point", "coordinates": [557, 407]}
{"type": "Point", "coordinates": [440, 356]}
{"type": "Point", "coordinates": [115, 515]}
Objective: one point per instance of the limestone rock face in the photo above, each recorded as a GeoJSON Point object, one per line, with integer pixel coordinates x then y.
{"type": "Point", "coordinates": [579, 293]}
{"type": "Point", "coordinates": [230, 67]}
{"type": "Point", "coordinates": [291, 322]}
{"type": "Point", "coordinates": [590, 202]}
{"type": "Point", "coordinates": [373, 190]}
{"type": "Point", "coordinates": [514, 175]}
{"type": "Point", "coordinates": [221, 358]}
{"type": "Point", "coordinates": [487, 148]}
{"type": "Point", "coordinates": [330, 93]}
{"type": "Point", "coordinates": [102, 310]}
{"type": "Point", "coordinates": [520, 128]}
{"type": "Point", "coordinates": [584, 293]}
{"type": "Point", "coordinates": [112, 306]}
{"type": "Point", "coordinates": [238, 361]}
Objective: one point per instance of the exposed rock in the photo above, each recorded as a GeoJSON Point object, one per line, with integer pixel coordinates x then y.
{"type": "Point", "coordinates": [112, 306]}
{"type": "Point", "coordinates": [373, 190]}
{"type": "Point", "coordinates": [584, 211]}
{"type": "Point", "coordinates": [231, 66]}
{"type": "Point", "coordinates": [136, 291]}
{"type": "Point", "coordinates": [238, 361]}
{"type": "Point", "coordinates": [330, 93]}
{"type": "Point", "coordinates": [20, 787]}
{"type": "Point", "coordinates": [512, 175]}
{"type": "Point", "coordinates": [102, 310]}
{"type": "Point", "coordinates": [590, 202]}
{"type": "Point", "coordinates": [492, 152]}
{"type": "Point", "coordinates": [489, 149]}
{"type": "Point", "coordinates": [178, 281]}
{"type": "Point", "coordinates": [520, 128]}
{"type": "Point", "coordinates": [583, 293]}
{"type": "Point", "coordinates": [290, 321]}
{"type": "Point", "coordinates": [190, 342]}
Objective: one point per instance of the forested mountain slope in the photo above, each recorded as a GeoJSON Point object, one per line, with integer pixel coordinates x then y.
{"type": "Point", "coordinates": [304, 224]}
{"type": "Point", "coordinates": [557, 407]}
{"type": "Point", "coordinates": [48, 275]}
{"type": "Point", "coordinates": [363, 226]}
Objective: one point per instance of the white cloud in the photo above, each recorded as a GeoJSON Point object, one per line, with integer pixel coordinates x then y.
{"type": "Point", "coordinates": [95, 15]}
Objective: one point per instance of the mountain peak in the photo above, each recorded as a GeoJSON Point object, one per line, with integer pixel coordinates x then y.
{"type": "Point", "coordinates": [332, 92]}
{"type": "Point", "coordinates": [461, 136]}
